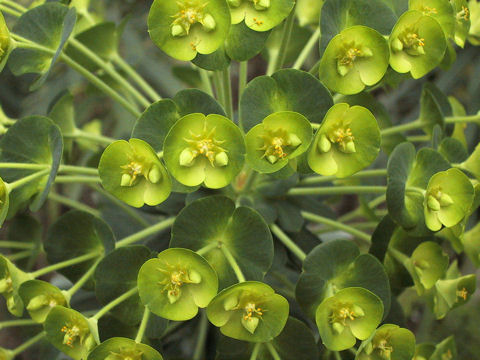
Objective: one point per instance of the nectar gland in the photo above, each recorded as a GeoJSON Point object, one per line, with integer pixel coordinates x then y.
{"type": "Point", "coordinates": [174, 277]}
{"type": "Point", "coordinates": [410, 42]}
{"type": "Point", "coordinates": [190, 13]}
{"type": "Point", "coordinates": [348, 54]}
{"type": "Point", "coordinates": [137, 167]}
{"type": "Point", "coordinates": [206, 145]}
{"type": "Point", "coordinates": [278, 144]}
{"type": "Point", "coordinates": [341, 135]}
{"type": "Point", "coordinates": [436, 199]}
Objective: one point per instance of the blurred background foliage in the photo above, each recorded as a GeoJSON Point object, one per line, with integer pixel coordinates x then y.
{"type": "Point", "coordinates": [167, 76]}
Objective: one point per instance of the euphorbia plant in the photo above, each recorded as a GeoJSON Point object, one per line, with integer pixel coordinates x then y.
{"type": "Point", "coordinates": [143, 220]}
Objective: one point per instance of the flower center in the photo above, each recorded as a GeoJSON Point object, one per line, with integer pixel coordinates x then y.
{"type": "Point", "coordinates": [427, 10]}
{"type": "Point", "coordinates": [137, 167]}
{"type": "Point", "coordinates": [436, 199]}
{"type": "Point", "coordinates": [463, 294]}
{"type": "Point", "coordinates": [343, 314]}
{"type": "Point", "coordinates": [175, 278]}
{"type": "Point", "coordinates": [191, 12]}
{"type": "Point", "coordinates": [341, 136]}
{"type": "Point", "coordinates": [384, 349]}
{"type": "Point", "coordinates": [251, 317]}
{"type": "Point", "coordinates": [278, 144]}
{"type": "Point", "coordinates": [347, 55]}
{"type": "Point", "coordinates": [206, 145]}
{"type": "Point", "coordinates": [71, 335]}
{"type": "Point", "coordinates": [410, 42]}
{"type": "Point", "coordinates": [463, 14]}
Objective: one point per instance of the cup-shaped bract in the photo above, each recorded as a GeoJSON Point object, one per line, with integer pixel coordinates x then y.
{"type": "Point", "coordinates": [184, 28]}
{"type": "Point", "coordinates": [440, 10]}
{"type": "Point", "coordinates": [390, 342]}
{"type": "Point", "coordinates": [5, 42]}
{"type": "Point", "coordinates": [474, 32]}
{"type": "Point", "coordinates": [417, 44]}
{"type": "Point", "coordinates": [260, 15]}
{"type": "Point", "coordinates": [70, 332]}
{"type": "Point", "coordinates": [351, 314]}
{"type": "Point", "coordinates": [348, 140]}
{"type": "Point", "coordinates": [4, 201]}
{"type": "Point", "coordinates": [118, 348]}
{"type": "Point", "coordinates": [355, 58]}
{"type": "Point", "coordinates": [448, 198]}
{"type": "Point", "coordinates": [462, 21]}
{"type": "Point", "coordinates": [249, 311]}
{"type": "Point", "coordinates": [450, 293]}
{"type": "Point", "coordinates": [281, 137]}
{"type": "Point", "coordinates": [176, 283]}
{"type": "Point", "coordinates": [40, 297]}
{"type": "Point", "coordinates": [11, 278]}
{"type": "Point", "coordinates": [204, 149]}
{"type": "Point", "coordinates": [132, 172]}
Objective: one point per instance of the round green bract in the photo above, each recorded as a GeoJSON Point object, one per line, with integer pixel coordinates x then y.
{"type": "Point", "coordinates": [261, 20]}
{"type": "Point", "coordinates": [274, 309]}
{"type": "Point", "coordinates": [59, 321]}
{"type": "Point", "coordinates": [114, 164]}
{"type": "Point", "coordinates": [400, 341]}
{"type": "Point", "coordinates": [363, 70]}
{"type": "Point", "coordinates": [154, 282]}
{"type": "Point", "coordinates": [118, 348]}
{"type": "Point", "coordinates": [280, 123]}
{"type": "Point", "coordinates": [359, 328]}
{"type": "Point", "coordinates": [40, 297]}
{"type": "Point", "coordinates": [431, 32]}
{"type": "Point", "coordinates": [459, 188]}
{"type": "Point", "coordinates": [162, 15]}
{"type": "Point", "coordinates": [366, 135]}
{"type": "Point", "coordinates": [440, 10]}
{"type": "Point", "coordinates": [201, 170]}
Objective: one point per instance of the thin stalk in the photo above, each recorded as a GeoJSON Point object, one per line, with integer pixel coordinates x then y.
{"type": "Point", "coordinates": [143, 326]}
{"type": "Point", "coordinates": [20, 255]}
{"type": "Point", "coordinates": [64, 264]}
{"type": "Point", "coordinates": [110, 70]}
{"type": "Point", "coordinates": [272, 351]}
{"type": "Point", "coordinates": [84, 135]}
{"type": "Point", "coordinates": [337, 225]}
{"type": "Point", "coordinates": [14, 5]}
{"type": "Point", "coordinates": [227, 88]}
{"type": "Point", "coordinates": [137, 78]}
{"type": "Point", "coordinates": [358, 211]}
{"type": "Point", "coordinates": [20, 322]}
{"type": "Point", "coordinates": [468, 118]}
{"type": "Point", "coordinates": [153, 229]}
{"type": "Point", "coordinates": [278, 59]}
{"type": "Point", "coordinates": [233, 264]}
{"type": "Point", "coordinates": [289, 244]}
{"type": "Point", "coordinates": [62, 168]}
{"type": "Point", "coordinates": [256, 350]}
{"type": "Point", "coordinates": [207, 248]}
{"type": "Point", "coordinates": [206, 83]}
{"type": "Point", "coordinates": [338, 190]}
{"type": "Point", "coordinates": [68, 179]}
{"type": "Point", "coordinates": [10, 11]}
{"type": "Point", "coordinates": [18, 183]}
{"type": "Point", "coordinates": [80, 282]}
{"type": "Point", "coordinates": [418, 138]}
{"type": "Point", "coordinates": [28, 343]}
{"type": "Point", "coordinates": [307, 49]}
{"type": "Point", "coordinates": [337, 355]}
{"type": "Point", "coordinates": [217, 80]}
{"type": "Point", "coordinates": [314, 69]}
{"type": "Point", "coordinates": [402, 127]}
{"type": "Point", "coordinates": [15, 245]}
{"type": "Point", "coordinates": [74, 204]}
{"type": "Point", "coordinates": [242, 77]}
{"type": "Point", "coordinates": [114, 303]}
{"type": "Point", "coordinates": [397, 255]}
{"type": "Point", "coordinates": [360, 175]}
{"type": "Point", "coordinates": [201, 337]}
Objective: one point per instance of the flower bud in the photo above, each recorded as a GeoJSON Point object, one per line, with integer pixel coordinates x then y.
{"type": "Point", "coordinates": [342, 69]}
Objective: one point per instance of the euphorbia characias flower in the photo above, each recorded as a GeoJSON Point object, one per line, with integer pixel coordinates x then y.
{"type": "Point", "coordinates": [462, 21]}
{"type": "Point", "coordinates": [448, 199]}
{"type": "Point", "coordinates": [40, 297]}
{"type": "Point", "coordinates": [10, 280]}
{"type": "Point", "coordinates": [281, 137]}
{"type": "Point", "coordinates": [390, 342]}
{"type": "Point", "coordinates": [132, 171]}
{"type": "Point", "coordinates": [348, 140]}
{"type": "Point", "coordinates": [204, 149]}
{"type": "Point", "coordinates": [355, 58]}
{"type": "Point", "coordinates": [176, 283]}
{"type": "Point", "coordinates": [249, 311]}
{"type": "Point", "coordinates": [183, 28]}
{"type": "Point", "coordinates": [440, 10]}
{"type": "Point", "coordinates": [118, 348]}
{"type": "Point", "coordinates": [260, 15]}
{"type": "Point", "coordinates": [417, 44]}
{"type": "Point", "coordinates": [352, 313]}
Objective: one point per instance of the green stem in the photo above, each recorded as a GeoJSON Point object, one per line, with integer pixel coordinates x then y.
{"type": "Point", "coordinates": [418, 138]}
{"type": "Point", "coordinates": [110, 70]}
{"type": "Point", "coordinates": [15, 245]}
{"type": "Point", "coordinates": [272, 351]}
{"type": "Point", "coordinates": [68, 179]}
{"type": "Point", "coordinates": [233, 264]}
{"type": "Point", "coordinates": [18, 183]}
{"type": "Point", "coordinates": [206, 83]}
{"type": "Point", "coordinates": [217, 80]}
{"type": "Point", "coordinates": [289, 244]}
{"type": "Point", "coordinates": [278, 59]}
{"type": "Point", "coordinates": [337, 355]}
{"type": "Point", "coordinates": [84, 135]}
{"type": "Point", "coordinates": [256, 350]}
{"type": "Point", "coordinates": [10, 11]}
{"type": "Point", "coordinates": [20, 255]}
{"type": "Point", "coordinates": [78, 169]}
{"type": "Point", "coordinates": [314, 69]}
{"type": "Point", "coordinates": [64, 264]}
{"type": "Point", "coordinates": [227, 87]}
{"type": "Point", "coordinates": [360, 175]}
{"type": "Point", "coordinates": [201, 337]}
{"type": "Point", "coordinates": [307, 49]}
{"type": "Point", "coordinates": [112, 304]}
{"type": "Point", "coordinates": [143, 326]}
{"type": "Point", "coordinates": [135, 76]}
{"type": "Point", "coordinates": [74, 204]}
{"type": "Point", "coordinates": [242, 77]}
{"type": "Point", "coordinates": [468, 118]}
{"type": "Point", "coordinates": [358, 211]}
{"type": "Point", "coordinates": [80, 282]}
{"type": "Point", "coordinates": [14, 5]}
{"type": "Point", "coordinates": [337, 225]}
{"type": "Point", "coordinates": [28, 343]}
{"type": "Point", "coordinates": [401, 128]}
{"type": "Point", "coordinates": [338, 190]}
{"type": "Point", "coordinates": [153, 229]}
{"type": "Point", "coordinates": [397, 255]}
{"type": "Point", "coordinates": [207, 248]}
{"type": "Point", "coordinates": [20, 322]}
